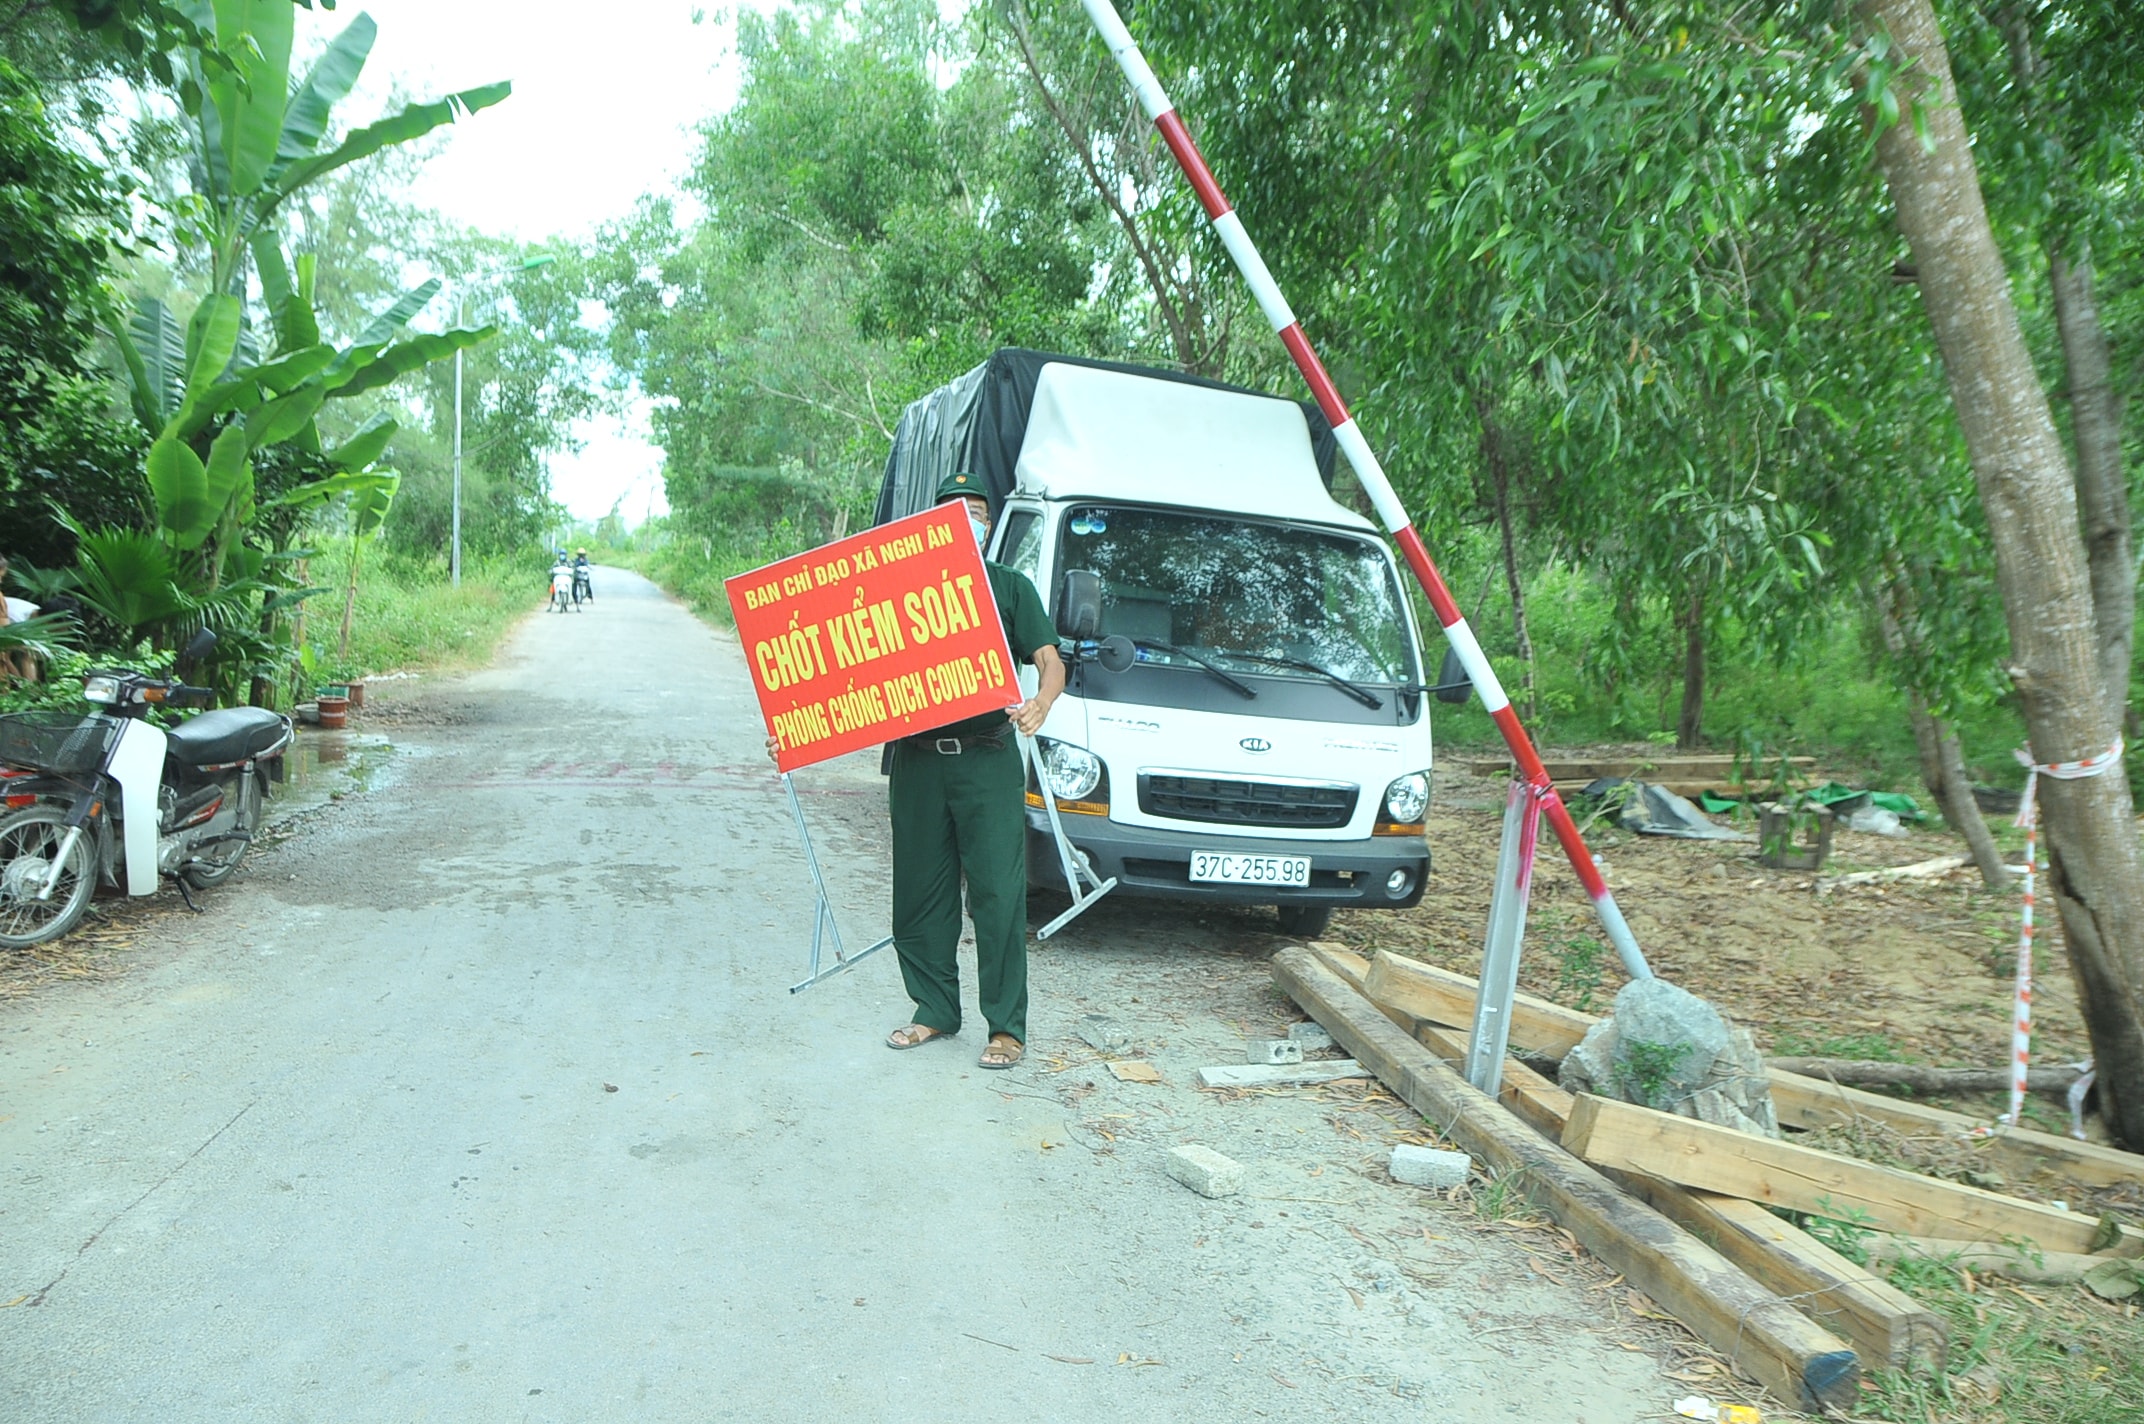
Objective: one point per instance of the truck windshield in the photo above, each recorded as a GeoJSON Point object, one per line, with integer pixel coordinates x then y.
{"type": "Point", "coordinates": [1235, 588]}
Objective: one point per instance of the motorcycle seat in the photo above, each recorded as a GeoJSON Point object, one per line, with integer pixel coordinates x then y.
{"type": "Point", "coordinates": [226, 735]}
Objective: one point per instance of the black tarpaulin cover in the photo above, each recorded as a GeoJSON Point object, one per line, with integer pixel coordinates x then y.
{"type": "Point", "coordinates": [977, 423]}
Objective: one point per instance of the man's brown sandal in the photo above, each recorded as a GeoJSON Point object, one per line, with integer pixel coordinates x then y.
{"type": "Point", "coordinates": [914, 1035]}
{"type": "Point", "coordinates": [1003, 1052]}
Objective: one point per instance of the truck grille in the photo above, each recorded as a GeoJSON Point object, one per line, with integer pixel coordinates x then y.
{"type": "Point", "coordinates": [1229, 801]}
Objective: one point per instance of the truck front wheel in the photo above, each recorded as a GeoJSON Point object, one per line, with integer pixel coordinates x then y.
{"type": "Point", "coordinates": [1305, 921]}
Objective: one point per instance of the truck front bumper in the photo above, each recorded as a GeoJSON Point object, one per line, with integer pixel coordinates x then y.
{"type": "Point", "coordinates": [1157, 863]}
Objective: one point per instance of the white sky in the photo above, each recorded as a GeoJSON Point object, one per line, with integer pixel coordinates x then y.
{"type": "Point", "coordinates": [605, 97]}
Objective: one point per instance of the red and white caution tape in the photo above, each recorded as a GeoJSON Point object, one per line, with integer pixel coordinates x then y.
{"type": "Point", "coordinates": [2028, 816]}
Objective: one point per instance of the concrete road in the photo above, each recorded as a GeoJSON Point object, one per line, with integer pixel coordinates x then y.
{"type": "Point", "coordinates": [484, 1099]}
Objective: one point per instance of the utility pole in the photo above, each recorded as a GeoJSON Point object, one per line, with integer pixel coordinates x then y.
{"type": "Point", "coordinates": [454, 557]}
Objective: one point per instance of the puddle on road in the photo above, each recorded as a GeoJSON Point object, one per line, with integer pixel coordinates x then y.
{"type": "Point", "coordinates": [326, 766]}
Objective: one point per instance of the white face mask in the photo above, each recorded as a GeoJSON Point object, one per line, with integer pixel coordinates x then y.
{"type": "Point", "coordinates": [982, 532]}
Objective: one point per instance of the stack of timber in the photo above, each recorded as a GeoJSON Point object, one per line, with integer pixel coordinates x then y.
{"type": "Point", "coordinates": [1682, 1208]}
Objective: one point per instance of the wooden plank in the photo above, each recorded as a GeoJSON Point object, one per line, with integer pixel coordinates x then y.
{"type": "Point", "coordinates": [1800, 1361]}
{"type": "Point", "coordinates": [1884, 1325]}
{"type": "Point", "coordinates": [1275, 1075]}
{"type": "Point", "coordinates": [2051, 1268]}
{"type": "Point", "coordinates": [1446, 998]}
{"type": "Point", "coordinates": [2019, 1153]}
{"type": "Point", "coordinates": [1888, 1328]}
{"type": "Point", "coordinates": [1719, 1159]}
{"type": "Point", "coordinates": [1537, 1026]}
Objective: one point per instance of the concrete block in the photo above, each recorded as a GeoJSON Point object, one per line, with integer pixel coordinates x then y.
{"type": "Point", "coordinates": [1429, 1167]}
{"type": "Point", "coordinates": [1280, 1075]}
{"type": "Point", "coordinates": [1272, 1050]}
{"type": "Point", "coordinates": [1204, 1170]}
{"type": "Point", "coordinates": [1312, 1036]}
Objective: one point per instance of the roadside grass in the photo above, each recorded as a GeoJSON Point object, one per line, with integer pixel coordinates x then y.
{"type": "Point", "coordinates": [2018, 1355]}
{"type": "Point", "coordinates": [410, 618]}
{"type": "Point", "coordinates": [1864, 1047]}
{"type": "Point", "coordinates": [693, 570]}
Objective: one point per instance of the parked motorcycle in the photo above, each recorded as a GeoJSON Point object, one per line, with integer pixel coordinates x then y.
{"type": "Point", "coordinates": [109, 797]}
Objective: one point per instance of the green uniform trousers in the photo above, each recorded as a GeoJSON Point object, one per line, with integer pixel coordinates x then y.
{"type": "Point", "coordinates": [954, 815]}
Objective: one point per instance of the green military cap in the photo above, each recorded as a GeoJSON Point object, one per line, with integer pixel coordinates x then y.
{"type": "Point", "coordinates": [961, 485]}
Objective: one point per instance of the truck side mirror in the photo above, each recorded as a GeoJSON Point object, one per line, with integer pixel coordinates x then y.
{"type": "Point", "coordinates": [1079, 604]}
{"type": "Point", "coordinates": [1117, 652]}
{"type": "Point", "coordinates": [1453, 684]}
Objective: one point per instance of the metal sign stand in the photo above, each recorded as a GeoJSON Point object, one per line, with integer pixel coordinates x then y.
{"type": "Point", "coordinates": [823, 925]}
{"type": "Point", "coordinates": [1499, 981]}
{"type": "Point", "coordinates": [1075, 868]}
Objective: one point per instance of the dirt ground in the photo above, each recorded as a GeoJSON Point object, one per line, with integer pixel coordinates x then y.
{"type": "Point", "coordinates": [1915, 970]}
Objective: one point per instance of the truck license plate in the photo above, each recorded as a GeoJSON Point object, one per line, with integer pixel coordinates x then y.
{"type": "Point", "coordinates": [1251, 869]}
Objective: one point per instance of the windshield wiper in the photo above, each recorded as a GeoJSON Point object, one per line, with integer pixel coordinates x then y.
{"type": "Point", "coordinates": [1215, 668]}
{"type": "Point", "coordinates": [1353, 689]}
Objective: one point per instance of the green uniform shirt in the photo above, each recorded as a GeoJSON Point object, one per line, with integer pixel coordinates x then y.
{"type": "Point", "coordinates": [1027, 628]}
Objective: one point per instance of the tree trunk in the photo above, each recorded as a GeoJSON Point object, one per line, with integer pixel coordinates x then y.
{"type": "Point", "coordinates": [1495, 457]}
{"type": "Point", "coordinates": [2095, 402]}
{"type": "Point", "coordinates": [2096, 879]}
{"type": "Point", "coordinates": [297, 635]}
{"type": "Point", "coordinates": [1861, 1073]}
{"type": "Point", "coordinates": [1689, 725]}
{"type": "Point", "coordinates": [349, 603]}
{"type": "Point", "coordinates": [2102, 488]}
{"type": "Point", "coordinates": [1942, 762]}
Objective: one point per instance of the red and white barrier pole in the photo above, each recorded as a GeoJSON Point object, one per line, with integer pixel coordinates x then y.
{"type": "Point", "coordinates": [1155, 100]}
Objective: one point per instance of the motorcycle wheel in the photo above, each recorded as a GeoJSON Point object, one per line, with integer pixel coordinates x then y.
{"type": "Point", "coordinates": [207, 875]}
{"type": "Point", "coordinates": [29, 840]}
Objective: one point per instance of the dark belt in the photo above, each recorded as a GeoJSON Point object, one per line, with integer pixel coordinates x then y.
{"type": "Point", "coordinates": [954, 746]}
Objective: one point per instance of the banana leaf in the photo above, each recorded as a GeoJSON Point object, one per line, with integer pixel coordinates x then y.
{"type": "Point", "coordinates": [211, 341]}
{"type": "Point", "coordinates": [413, 122]}
{"type": "Point", "coordinates": [178, 482]}
{"type": "Point", "coordinates": [155, 352]}
{"type": "Point", "coordinates": [274, 421]}
{"type": "Point", "coordinates": [383, 327]}
{"type": "Point", "coordinates": [249, 98]}
{"type": "Point", "coordinates": [367, 445]}
{"type": "Point", "coordinates": [368, 507]}
{"type": "Point", "coordinates": [229, 470]}
{"type": "Point", "coordinates": [414, 354]}
{"type": "Point", "coordinates": [321, 491]}
{"type": "Point", "coordinates": [333, 75]}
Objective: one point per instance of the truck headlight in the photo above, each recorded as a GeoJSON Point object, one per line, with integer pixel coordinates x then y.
{"type": "Point", "coordinates": [1408, 798]}
{"type": "Point", "coordinates": [100, 687]}
{"type": "Point", "coordinates": [1074, 772]}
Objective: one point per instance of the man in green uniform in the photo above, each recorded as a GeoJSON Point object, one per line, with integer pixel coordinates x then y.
{"type": "Point", "coordinates": [958, 800]}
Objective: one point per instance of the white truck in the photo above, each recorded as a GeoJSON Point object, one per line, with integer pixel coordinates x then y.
{"type": "Point", "coordinates": [1246, 719]}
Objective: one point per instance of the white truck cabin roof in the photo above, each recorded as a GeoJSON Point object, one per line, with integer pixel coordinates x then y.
{"type": "Point", "coordinates": [1111, 436]}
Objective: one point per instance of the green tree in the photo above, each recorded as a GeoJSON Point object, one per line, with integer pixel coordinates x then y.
{"type": "Point", "coordinates": [212, 397]}
{"type": "Point", "coordinates": [2027, 489]}
{"type": "Point", "coordinates": [59, 450]}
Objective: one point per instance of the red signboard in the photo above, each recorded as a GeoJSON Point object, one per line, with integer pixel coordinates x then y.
{"type": "Point", "coordinates": [881, 635]}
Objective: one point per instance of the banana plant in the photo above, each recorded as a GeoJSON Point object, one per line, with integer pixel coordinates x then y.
{"type": "Point", "coordinates": [205, 394]}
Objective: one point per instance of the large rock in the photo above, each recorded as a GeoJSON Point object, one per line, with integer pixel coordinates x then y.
{"type": "Point", "coordinates": [1663, 1047]}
